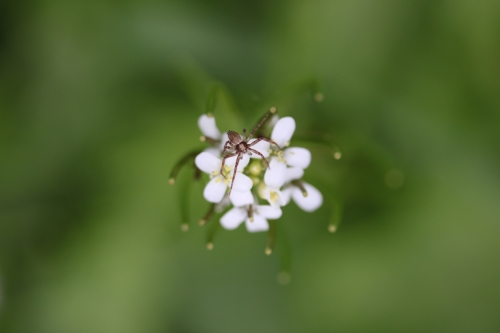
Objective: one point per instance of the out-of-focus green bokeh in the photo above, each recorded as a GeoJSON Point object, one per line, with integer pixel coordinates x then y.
{"type": "Point", "coordinates": [99, 99]}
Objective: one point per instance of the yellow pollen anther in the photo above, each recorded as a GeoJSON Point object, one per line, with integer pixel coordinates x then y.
{"type": "Point", "coordinates": [337, 155]}
{"type": "Point", "coordinates": [184, 227]}
{"type": "Point", "coordinates": [304, 194]}
{"type": "Point", "coordinates": [202, 222]}
{"type": "Point", "coordinates": [332, 228]}
{"type": "Point", "coordinates": [251, 219]}
{"type": "Point", "coordinates": [273, 109]}
{"type": "Point", "coordinates": [203, 138]}
{"type": "Point", "coordinates": [171, 181]}
{"type": "Point", "coordinates": [273, 196]}
{"type": "Point", "coordinates": [269, 251]}
{"type": "Point", "coordinates": [210, 246]}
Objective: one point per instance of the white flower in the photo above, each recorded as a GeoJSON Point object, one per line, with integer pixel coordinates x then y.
{"type": "Point", "coordinates": [217, 186]}
{"type": "Point", "coordinates": [294, 157]}
{"type": "Point", "coordinates": [207, 126]}
{"type": "Point", "coordinates": [309, 201]}
{"type": "Point", "coordinates": [255, 217]}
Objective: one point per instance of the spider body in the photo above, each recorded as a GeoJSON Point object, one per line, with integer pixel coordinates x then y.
{"type": "Point", "coordinates": [240, 146]}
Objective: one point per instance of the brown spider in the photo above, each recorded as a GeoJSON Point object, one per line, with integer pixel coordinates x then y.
{"type": "Point", "coordinates": [241, 146]}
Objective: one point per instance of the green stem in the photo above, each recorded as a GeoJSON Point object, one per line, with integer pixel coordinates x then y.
{"type": "Point", "coordinates": [181, 163]}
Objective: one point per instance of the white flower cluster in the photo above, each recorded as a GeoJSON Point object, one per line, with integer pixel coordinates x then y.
{"type": "Point", "coordinates": [277, 184]}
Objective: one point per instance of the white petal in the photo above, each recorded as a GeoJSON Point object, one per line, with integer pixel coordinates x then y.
{"type": "Point", "coordinates": [239, 199]}
{"type": "Point", "coordinates": [231, 161]}
{"type": "Point", "coordinates": [293, 173]}
{"type": "Point", "coordinates": [286, 195]}
{"type": "Point", "coordinates": [259, 223]}
{"type": "Point", "coordinates": [275, 174]}
{"type": "Point", "coordinates": [269, 212]}
{"type": "Point", "coordinates": [223, 140]}
{"type": "Point", "coordinates": [242, 182]}
{"type": "Point", "coordinates": [283, 131]}
{"type": "Point", "coordinates": [207, 162]}
{"type": "Point", "coordinates": [273, 196]}
{"type": "Point", "coordinates": [208, 127]}
{"type": "Point", "coordinates": [262, 147]}
{"type": "Point", "coordinates": [297, 157]}
{"type": "Point", "coordinates": [215, 190]}
{"type": "Point", "coordinates": [233, 218]}
{"type": "Point", "coordinates": [310, 203]}
{"type": "Point", "coordinates": [212, 150]}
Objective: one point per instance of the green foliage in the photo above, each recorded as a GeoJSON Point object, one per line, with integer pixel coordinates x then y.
{"type": "Point", "coordinates": [98, 100]}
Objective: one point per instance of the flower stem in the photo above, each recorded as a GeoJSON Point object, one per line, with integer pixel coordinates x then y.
{"type": "Point", "coordinates": [207, 216]}
{"type": "Point", "coordinates": [271, 237]}
{"type": "Point", "coordinates": [321, 140]}
{"type": "Point", "coordinates": [285, 257]}
{"type": "Point", "coordinates": [180, 164]}
{"type": "Point", "coordinates": [335, 215]}
{"type": "Point", "coordinates": [214, 228]}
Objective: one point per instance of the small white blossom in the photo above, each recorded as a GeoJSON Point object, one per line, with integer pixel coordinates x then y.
{"type": "Point", "coordinates": [216, 188]}
{"type": "Point", "coordinates": [254, 223]}
{"type": "Point", "coordinates": [308, 201]}
{"type": "Point", "coordinates": [207, 126]}
{"type": "Point", "coordinates": [294, 157]}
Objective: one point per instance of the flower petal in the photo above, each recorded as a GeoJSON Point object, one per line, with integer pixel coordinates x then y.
{"type": "Point", "coordinates": [208, 127]}
{"type": "Point", "coordinates": [293, 173]}
{"type": "Point", "coordinates": [259, 223]}
{"type": "Point", "coordinates": [207, 162]}
{"type": "Point", "coordinates": [239, 199]}
{"type": "Point", "coordinates": [262, 147]}
{"type": "Point", "coordinates": [297, 157]}
{"type": "Point", "coordinates": [212, 150]}
{"type": "Point", "coordinates": [275, 174]}
{"type": "Point", "coordinates": [310, 203]}
{"type": "Point", "coordinates": [233, 218]}
{"type": "Point", "coordinates": [223, 140]}
{"type": "Point", "coordinates": [242, 182]}
{"type": "Point", "coordinates": [286, 195]}
{"type": "Point", "coordinates": [231, 161]}
{"type": "Point", "coordinates": [269, 212]}
{"type": "Point", "coordinates": [215, 190]}
{"type": "Point", "coordinates": [283, 131]}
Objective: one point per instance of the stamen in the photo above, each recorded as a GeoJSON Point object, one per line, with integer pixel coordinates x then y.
{"type": "Point", "coordinates": [273, 109]}
{"type": "Point", "coordinates": [273, 196]}
{"type": "Point", "coordinates": [171, 181]}
{"type": "Point", "coordinates": [268, 251]}
{"type": "Point", "coordinates": [210, 246]}
{"type": "Point", "coordinates": [185, 227]}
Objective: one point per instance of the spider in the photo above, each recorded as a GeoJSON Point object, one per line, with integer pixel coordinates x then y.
{"type": "Point", "coordinates": [241, 146]}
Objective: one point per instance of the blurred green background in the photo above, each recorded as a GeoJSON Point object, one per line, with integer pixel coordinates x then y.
{"type": "Point", "coordinates": [98, 100]}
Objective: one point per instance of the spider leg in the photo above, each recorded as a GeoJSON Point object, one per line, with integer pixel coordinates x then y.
{"type": "Point", "coordinates": [234, 172]}
{"type": "Point", "coordinates": [258, 125]}
{"type": "Point", "coordinates": [224, 161]}
{"type": "Point", "coordinates": [258, 153]}
{"type": "Point", "coordinates": [226, 147]}
{"type": "Point", "coordinates": [264, 139]}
